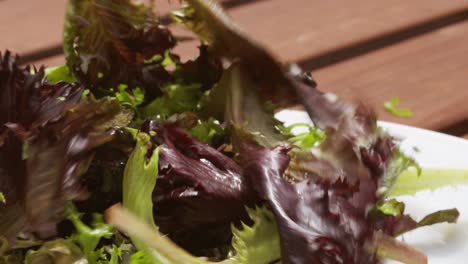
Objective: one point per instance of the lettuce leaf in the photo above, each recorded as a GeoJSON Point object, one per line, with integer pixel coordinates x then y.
{"type": "Point", "coordinates": [391, 107]}
{"type": "Point", "coordinates": [108, 43]}
{"type": "Point", "coordinates": [138, 184]}
{"type": "Point", "coordinates": [88, 237]}
{"type": "Point", "coordinates": [256, 244]}
{"type": "Point", "coordinates": [47, 139]}
{"type": "Point", "coordinates": [200, 191]}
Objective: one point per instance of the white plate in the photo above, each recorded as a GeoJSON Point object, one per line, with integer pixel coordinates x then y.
{"type": "Point", "coordinates": [442, 243]}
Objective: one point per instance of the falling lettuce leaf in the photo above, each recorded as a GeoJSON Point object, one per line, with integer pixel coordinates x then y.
{"type": "Point", "coordinates": [60, 136]}
{"type": "Point", "coordinates": [108, 43]}
{"type": "Point", "coordinates": [391, 107]}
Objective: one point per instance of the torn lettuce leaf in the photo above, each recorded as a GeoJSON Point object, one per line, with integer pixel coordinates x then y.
{"type": "Point", "coordinates": [391, 107]}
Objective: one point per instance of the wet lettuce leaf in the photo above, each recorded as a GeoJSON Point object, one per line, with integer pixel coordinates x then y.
{"type": "Point", "coordinates": [108, 43]}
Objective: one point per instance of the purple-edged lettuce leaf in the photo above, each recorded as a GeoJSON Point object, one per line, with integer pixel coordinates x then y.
{"type": "Point", "coordinates": [108, 43]}
{"type": "Point", "coordinates": [200, 191]}
{"type": "Point", "coordinates": [47, 137]}
{"type": "Point", "coordinates": [316, 220]}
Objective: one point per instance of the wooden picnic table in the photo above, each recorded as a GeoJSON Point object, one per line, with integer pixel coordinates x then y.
{"type": "Point", "coordinates": [362, 50]}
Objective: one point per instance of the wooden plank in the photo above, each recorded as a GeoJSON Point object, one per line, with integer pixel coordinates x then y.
{"type": "Point", "coordinates": [298, 29]}
{"type": "Point", "coordinates": [293, 29]}
{"type": "Point", "coordinates": [428, 73]}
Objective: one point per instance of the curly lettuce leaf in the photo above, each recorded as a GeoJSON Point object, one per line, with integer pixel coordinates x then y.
{"type": "Point", "coordinates": [316, 220]}
{"type": "Point", "coordinates": [200, 191]}
{"type": "Point", "coordinates": [257, 244]}
{"type": "Point", "coordinates": [88, 237]}
{"type": "Point", "coordinates": [47, 139]}
{"type": "Point", "coordinates": [108, 43]}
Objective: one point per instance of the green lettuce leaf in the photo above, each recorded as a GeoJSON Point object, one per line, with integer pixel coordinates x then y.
{"type": "Point", "coordinates": [256, 244]}
{"type": "Point", "coordinates": [391, 107]}
{"type": "Point", "coordinates": [59, 74]}
{"type": "Point", "coordinates": [88, 237]}
{"type": "Point", "coordinates": [138, 184]}
{"type": "Point", "coordinates": [308, 139]}
{"type": "Point", "coordinates": [177, 98]}
{"type": "Point", "coordinates": [207, 131]}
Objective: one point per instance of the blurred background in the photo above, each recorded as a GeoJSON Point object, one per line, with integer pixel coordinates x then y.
{"type": "Point", "coordinates": [363, 50]}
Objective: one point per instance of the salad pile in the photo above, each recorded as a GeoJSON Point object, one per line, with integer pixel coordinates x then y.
{"type": "Point", "coordinates": [127, 154]}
